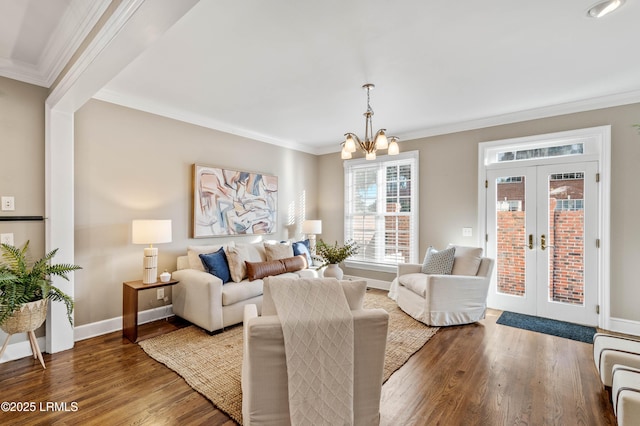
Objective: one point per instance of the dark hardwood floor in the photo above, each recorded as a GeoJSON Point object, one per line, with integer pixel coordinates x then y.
{"type": "Point", "coordinates": [479, 374]}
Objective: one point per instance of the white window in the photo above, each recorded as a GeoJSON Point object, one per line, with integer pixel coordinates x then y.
{"type": "Point", "coordinates": [381, 210]}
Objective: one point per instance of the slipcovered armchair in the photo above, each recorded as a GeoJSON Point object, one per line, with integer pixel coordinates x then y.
{"type": "Point", "coordinates": [442, 299]}
{"type": "Point", "coordinates": [265, 385]}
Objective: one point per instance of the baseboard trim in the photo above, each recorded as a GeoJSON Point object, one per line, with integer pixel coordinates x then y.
{"type": "Point", "coordinates": [625, 326]}
{"type": "Point", "coordinates": [23, 349]}
{"type": "Point", "coordinates": [371, 283]}
{"type": "Point", "coordinates": [114, 324]}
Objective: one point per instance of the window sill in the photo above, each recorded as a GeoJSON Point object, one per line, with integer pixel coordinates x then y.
{"type": "Point", "coordinates": [378, 267]}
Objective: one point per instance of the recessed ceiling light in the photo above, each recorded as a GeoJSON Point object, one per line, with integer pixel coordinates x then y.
{"type": "Point", "coordinates": [604, 8]}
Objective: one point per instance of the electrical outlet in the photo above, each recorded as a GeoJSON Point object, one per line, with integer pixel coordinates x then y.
{"type": "Point", "coordinates": [8, 203]}
{"type": "Point", "coordinates": [6, 239]}
{"type": "Point", "coordinates": [160, 293]}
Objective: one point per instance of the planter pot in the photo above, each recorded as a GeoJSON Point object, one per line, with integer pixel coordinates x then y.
{"type": "Point", "coordinates": [333, 270]}
{"type": "Point", "coordinates": [29, 317]}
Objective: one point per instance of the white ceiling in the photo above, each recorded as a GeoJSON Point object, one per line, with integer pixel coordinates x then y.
{"type": "Point", "coordinates": [290, 72]}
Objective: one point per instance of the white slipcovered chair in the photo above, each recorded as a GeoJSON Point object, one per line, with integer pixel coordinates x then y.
{"type": "Point", "coordinates": [265, 397]}
{"type": "Point", "coordinates": [443, 299]}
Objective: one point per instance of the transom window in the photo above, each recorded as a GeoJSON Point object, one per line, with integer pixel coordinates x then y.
{"type": "Point", "coordinates": [542, 152]}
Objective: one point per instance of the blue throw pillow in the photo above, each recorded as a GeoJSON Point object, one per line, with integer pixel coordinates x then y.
{"type": "Point", "coordinates": [302, 247]}
{"type": "Point", "coordinates": [216, 264]}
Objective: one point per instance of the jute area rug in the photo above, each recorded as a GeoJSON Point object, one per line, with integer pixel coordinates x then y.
{"type": "Point", "coordinates": [211, 364]}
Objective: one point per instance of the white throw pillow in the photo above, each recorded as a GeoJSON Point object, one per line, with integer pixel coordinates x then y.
{"type": "Point", "coordinates": [438, 262]}
{"type": "Point", "coordinates": [277, 251]}
{"type": "Point", "coordinates": [237, 255]}
{"type": "Point", "coordinates": [194, 252]}
{"type": "Point", "coordinates": [467, 260]}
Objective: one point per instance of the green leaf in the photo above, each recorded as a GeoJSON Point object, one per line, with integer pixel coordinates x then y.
{"type": "Point", "coordinates": [22, 281]}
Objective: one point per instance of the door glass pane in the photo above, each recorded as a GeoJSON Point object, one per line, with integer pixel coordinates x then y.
{"type": "Point", "coordinates": [566, 238]}
{"type": "Point", "coordinates": [510, 220]}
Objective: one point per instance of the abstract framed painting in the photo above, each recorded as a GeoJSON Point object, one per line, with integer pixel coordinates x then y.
{"type": "Point", "coordinates": [230, 202]}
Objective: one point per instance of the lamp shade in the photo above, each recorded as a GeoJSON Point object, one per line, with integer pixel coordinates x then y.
{"type": "Point", "coordinates": [151, 231]}
{"type": "Point", "coordinates": [312, 227]}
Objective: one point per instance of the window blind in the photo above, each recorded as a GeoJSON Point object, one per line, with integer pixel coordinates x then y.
{"type": "Point", "coordinates": [381, 210]}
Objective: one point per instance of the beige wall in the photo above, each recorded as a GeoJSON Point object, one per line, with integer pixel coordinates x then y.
{"type": "Point", "coordinates": [448, 191]}
{"type": "Point", "coordinates": [134, 165]}
{"type": "Point", "coordinates": [22, 162]}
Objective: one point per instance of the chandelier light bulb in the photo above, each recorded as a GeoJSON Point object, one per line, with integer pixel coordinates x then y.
{"type": "Point", "coordinates": [349, 143]}
{"type": "Point", "coordinates": [344, 154]}
{"type": "Point", "coordinates": [370, 155]}
{"type": "Point", "coordinates": [394, 149]}
{"type": "Point", "coordinates": [381, 140]}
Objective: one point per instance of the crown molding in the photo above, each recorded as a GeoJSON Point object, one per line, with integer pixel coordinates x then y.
{"type": "Point", "coordinates": [131, 28]}
{"type": "Point", "coordinates": [63, 43]}
{"type": "Point", "coordinates": [68, 36]}
{"type": "Point", "coordinates": [196, 119]}
{"type": "Point", "coordinates": [498, 120]}
{"type": "Point", "coordinates": [583, 105]}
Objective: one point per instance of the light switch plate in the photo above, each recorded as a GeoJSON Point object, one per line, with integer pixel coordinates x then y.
{"type": "Point", "coordinates": [467, 232]}
{"type": "Point", "coordinates": [6, 238]}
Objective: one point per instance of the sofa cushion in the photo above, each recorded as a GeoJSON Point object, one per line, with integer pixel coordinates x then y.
{"type": "Point", "coordinates": [416, 282]}
{"type": "Point", "coordinates": [216, 264]}
{"type": "Point", "coordinates": [302, 248]}
{"type": "Point", "coordinates": [438, 262]}
{"type": "Point", "coordinates": [237, 255]}
{"type": "Point", "coordinates": [238, 292]}
{"type": "Point", "coordinates": [277, 251]}
{"type": "Point", "coordinates": [194, 252]}
{"type": "Point", "coordinates": [295, 263]}
{"type": "Point", "coordinates": [257, 270]}
{"type": "Point", "coordinates": [466, 260]}
{"type": "Point", "coordinates": [255, 251]}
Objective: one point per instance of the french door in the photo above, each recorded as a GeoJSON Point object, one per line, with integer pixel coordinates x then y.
{"type": "Point", "coordinates": [542, 225]}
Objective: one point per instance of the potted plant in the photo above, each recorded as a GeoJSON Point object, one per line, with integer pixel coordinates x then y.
{"type": "Point", "coordinates": [25, 288]}
{"type": "Point", "coordinates": [331, 255]}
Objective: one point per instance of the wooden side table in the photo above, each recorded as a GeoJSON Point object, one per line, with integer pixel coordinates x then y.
{"type": "Point", "coordinates": [130, 291]}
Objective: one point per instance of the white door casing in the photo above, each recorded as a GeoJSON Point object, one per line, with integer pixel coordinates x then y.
{"type": "Point", "coordinates": [597, 149]}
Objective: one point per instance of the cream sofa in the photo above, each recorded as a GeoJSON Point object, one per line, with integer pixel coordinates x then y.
{"type": "Point", "coordinates": [204, 300]}
{"type": "Point", "coordinates": [265, 395]}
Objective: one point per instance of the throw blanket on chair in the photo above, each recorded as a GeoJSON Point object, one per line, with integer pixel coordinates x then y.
{"type": "Point", "coordinates": [318, 337]}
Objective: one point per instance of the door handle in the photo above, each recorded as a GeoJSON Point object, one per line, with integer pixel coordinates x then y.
{"type": "Point", "coordinates": [530, 241]}
{"type": "Point", "coordinates": [543, 242]}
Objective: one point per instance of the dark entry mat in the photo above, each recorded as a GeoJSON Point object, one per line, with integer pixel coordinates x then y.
{"type": "Point", "coordinates": [581, 333]}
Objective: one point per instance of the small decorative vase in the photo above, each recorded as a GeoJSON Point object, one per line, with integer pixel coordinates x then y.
{"type": "Point", "coordinates": [333, 271]}
{"type": "Point", "coordinates": [165, 277]}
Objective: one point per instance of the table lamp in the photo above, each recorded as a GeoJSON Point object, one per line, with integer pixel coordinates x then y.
{"type": "Point", "coordinates": [150, 232]}
{"type": "Point", "coordinates": [312, 228]}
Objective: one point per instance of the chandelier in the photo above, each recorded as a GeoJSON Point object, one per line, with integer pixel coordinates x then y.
{"type": "Point", "coordinates": [370, 144]}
